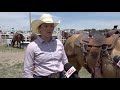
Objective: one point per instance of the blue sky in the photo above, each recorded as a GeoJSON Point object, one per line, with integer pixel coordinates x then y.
{"type": "Point", "coordinates": [74, 20]}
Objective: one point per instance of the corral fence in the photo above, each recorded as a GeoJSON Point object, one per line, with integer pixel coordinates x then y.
{"type": "Point", "coordinates": [5, 39]}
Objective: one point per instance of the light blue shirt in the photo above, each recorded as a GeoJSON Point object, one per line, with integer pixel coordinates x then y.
{"type": "Point", "coordinates": [43, 58]}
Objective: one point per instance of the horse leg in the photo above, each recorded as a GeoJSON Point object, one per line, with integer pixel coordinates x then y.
{"type": "Point", "coordinates": [20, 44]}
{"type": "Point", "coordinates": [12, 43]}
{"type": "Point", "coordinates": [17, 44]}
{"type": "Point", "coordinates": [74, 62]}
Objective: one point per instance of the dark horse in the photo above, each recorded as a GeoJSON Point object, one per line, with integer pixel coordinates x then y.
{"type": "Point", "coordinates": [17, 37]}
{"type": "Point", "coordinates": [66, 35]}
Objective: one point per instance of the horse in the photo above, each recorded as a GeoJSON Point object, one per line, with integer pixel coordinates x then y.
{"type": "Point", "coordinates": [18, 37]}
{"type": "Point", "coordinates": [33, 36]}
{"type": "Point", "coordinates": [94, 52]}
{"type": "Point", "coordinates": [66, 35]}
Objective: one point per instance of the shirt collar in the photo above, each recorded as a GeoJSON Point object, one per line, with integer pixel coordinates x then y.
{"type": "Point", "coordinates": [41, 40]}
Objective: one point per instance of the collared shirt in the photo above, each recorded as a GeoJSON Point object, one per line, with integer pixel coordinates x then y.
{"type": "Point", "coordinates": [43, 58]}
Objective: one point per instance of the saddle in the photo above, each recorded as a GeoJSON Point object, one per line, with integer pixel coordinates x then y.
{"type": "Point", "coordinates": [111, 32]}
{"type": "Point", "coordinates": [97, 42]}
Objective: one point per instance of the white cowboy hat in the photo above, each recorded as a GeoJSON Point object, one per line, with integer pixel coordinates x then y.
{"type": "Point", "coordinates": [45, 18]}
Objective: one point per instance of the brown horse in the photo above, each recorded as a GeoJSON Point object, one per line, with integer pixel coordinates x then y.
{"type": "Point", "coordinates": [18, 37]}
{"type": "Point", "coordinates": [33, 36]}
{"type": "Point", "coordinates": [66, 35]}
{"type": "Point", "coordinates": [95, 53]}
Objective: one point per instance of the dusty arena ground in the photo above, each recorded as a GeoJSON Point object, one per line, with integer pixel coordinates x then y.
{"type": "Point", "coordinates": [11, 63]}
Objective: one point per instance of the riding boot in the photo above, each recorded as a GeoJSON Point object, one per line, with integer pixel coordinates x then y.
{"type": "Point", "coordinates": [97, 71]}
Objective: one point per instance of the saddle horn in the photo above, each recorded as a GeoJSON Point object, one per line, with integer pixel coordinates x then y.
{"type": "Point", "coordinates": [115, 27]}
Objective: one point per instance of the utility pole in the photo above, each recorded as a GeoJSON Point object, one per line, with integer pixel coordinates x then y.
{"type": "Point", "coordinates": [30, 20]}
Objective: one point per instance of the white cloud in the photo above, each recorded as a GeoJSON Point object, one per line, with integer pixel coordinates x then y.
{"type": "Point", "coordinates": [89, 24]}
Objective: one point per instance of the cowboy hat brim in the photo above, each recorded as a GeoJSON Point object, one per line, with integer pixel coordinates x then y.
{"type": "Point", "coordinates": [36, 23]}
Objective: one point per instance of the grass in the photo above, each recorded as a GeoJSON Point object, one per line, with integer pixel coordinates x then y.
{"type": "Point", "coordinates": [4, 48]}
{"type": "Point", "coordinates": [83, 73]}
{"type": "Point", "coordinates": [11, 63]}
{"type": "Point", "coordinates": [14, 71]}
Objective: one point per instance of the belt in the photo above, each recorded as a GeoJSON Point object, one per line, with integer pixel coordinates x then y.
{"type": "Point", "coordinates": [53, 75]}
{"type": "Point", "coordinates": [35, 76]}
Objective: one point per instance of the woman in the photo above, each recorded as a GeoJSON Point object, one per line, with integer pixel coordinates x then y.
{"type": "Point", "coordinates": [44, 57]}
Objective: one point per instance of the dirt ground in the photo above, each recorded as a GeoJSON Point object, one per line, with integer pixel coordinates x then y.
{"type": "Point", "coordinates": [11, 58]}
{"type": "Point", "coordinates": [11, 63]}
